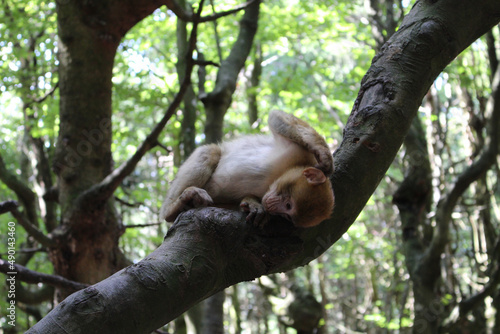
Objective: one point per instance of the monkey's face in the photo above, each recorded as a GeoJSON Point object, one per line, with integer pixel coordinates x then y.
{"type": "Point", "coordinates": [278, 201]}
{"type": "Point", "coordinates": [302, 195]}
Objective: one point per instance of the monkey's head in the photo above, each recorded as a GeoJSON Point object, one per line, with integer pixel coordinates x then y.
{"type": "Point", "coordinates": [303, 195]}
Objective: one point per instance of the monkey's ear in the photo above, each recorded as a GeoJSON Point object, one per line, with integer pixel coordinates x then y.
{"type": "Point", "coordinates": [314, 176]}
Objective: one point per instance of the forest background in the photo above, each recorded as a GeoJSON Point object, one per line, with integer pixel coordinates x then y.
{"type": "Point", "coordinates": [423, 256]}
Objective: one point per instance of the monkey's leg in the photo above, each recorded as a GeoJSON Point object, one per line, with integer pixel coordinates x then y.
{"type": "Point", "coordinates": [301, 133]}
{"type": "Point", "coordinates": [186, 191]}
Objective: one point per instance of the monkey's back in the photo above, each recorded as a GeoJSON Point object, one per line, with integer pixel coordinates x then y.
{"type": "Point", "coordinates": [244, 163]}
{"type": "Point", "coordinates": [248, 165]}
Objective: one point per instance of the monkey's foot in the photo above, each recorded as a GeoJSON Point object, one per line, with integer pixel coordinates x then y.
{"type": "Point", "coordinates": [194, 197]}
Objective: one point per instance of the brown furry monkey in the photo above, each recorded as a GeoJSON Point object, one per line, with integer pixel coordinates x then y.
{"type": "Point", "coordinates": [285, 174]}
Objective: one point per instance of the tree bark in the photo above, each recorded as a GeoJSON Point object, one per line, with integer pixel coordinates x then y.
{"type": "Point", "coordinates": [188, 130]}
{"type": "Point", "coordinates": [219, 100]}
{"type": "Point", "coordinates": [413, 201]}
{"type": "Point", "coordinates": [213, 314]}
{"type": "Point", "coordinates": [86, 247]}
{"type": "Point", "coordinates": [253, 85]}
{"type": "Point", "coordinates": [209, 249]}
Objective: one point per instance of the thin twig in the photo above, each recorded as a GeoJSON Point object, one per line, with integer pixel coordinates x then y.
{"type": "Point", "coordinates": [205, 63]}
{"type": "Point", "coordinates": [188, 17]}
{"type": "Point", "coordinates": [30, 276]}
{"type": "Point", "coordinates": [142, 225]}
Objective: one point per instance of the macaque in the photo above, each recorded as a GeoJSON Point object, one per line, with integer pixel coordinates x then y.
{"type": "Point", "coordinates": [285, 174]}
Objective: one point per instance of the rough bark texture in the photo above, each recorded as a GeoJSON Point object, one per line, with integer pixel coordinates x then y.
{"type": "Point", "coordinates": [209, 249]}
{"type": "Point", "coordinates": [86, 248]}
{"type": "Point", "coordinates": [219, 100]}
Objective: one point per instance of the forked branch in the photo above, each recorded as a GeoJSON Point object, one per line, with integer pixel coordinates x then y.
{"type": "Point", "coordinates": [106, 188]}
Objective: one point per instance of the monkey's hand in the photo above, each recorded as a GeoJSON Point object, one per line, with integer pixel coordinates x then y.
{"type": "Point", "coordinates": [256, 213]}
{"type": "Point", "coordinates": [325, 160]}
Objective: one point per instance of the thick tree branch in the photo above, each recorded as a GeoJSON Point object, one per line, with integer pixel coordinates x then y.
{"type": "Point", "coordinates": [30, 276]}
{"type": "Point", "coordinates": [431, 35]}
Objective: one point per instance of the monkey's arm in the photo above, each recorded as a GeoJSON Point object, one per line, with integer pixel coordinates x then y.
{"type": "Point", "coordinates": [185, 192]}
{"type": "Point", "coordinates": [301, 133]}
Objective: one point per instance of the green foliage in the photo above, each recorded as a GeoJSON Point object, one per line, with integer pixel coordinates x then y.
{"type": "Point", "coordinates": [308, 68]}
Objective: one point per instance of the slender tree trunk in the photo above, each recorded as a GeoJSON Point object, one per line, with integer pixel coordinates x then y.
{"type": "Point", "coordinates": [213, 319]}
{"type": "Point", "coordinates": [219, 100]}
{"type": "Point", "coordinates": [253, 85]}
{"type": "Point", "coordinates": [216, 105]}
{"type": "Point", "coordinates": [412, 199]}
{"type": "Point", "coordinates": [188, 130]}
{"type": "Point", "coordinates": [237, 309]}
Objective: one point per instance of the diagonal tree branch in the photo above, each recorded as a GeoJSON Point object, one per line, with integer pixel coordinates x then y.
{"type": "Point", "coordinates": [30, 276]}
{"type": "Point", "coordinates": [32, 230]}
{"type": "Point", "coordinates": [468, 304]}
{"type": "Point", "coordinates": [489, 289]}
{"type": "Point", "coordinates": [43, 97]}
{"type": "Point", "coordinates": [28, 200]}
{"type": "Point", "coordinates": [8, 206]}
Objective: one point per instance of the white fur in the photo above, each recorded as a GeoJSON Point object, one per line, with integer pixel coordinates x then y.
{"type": "Point", "coordinates": [246, 161]}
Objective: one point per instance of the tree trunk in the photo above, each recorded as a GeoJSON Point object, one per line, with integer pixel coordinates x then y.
{"type": "Point", "coordinates": [253, 86]}
{"type": "Point", "coordinates": [86, 247]}
{"type": "Point", "coordinates": [413, 199]}
{"type": "Point", "coordinates": [213, 317]}
{"type": "Point", "coordinates": [188, 130]}
{"type": "Point", "coordinates": [216, 105]}
{"type": "Point", "coordinates": [219, 100]}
